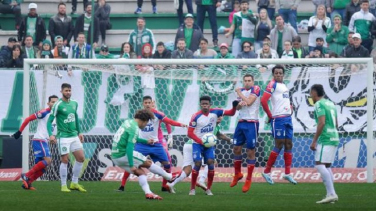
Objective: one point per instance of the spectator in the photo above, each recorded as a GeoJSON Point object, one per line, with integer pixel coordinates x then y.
{"type": "Point", "coordinates": [16, 61]}
{"type": "Point", "coordinates": [298, 48]}
{"type": "Point", "coordinates": [12, 7]}
{"type": "Point", "coordinates": [181, 52]}
{"type": "Point", "coordinates": [104, 53]}
{"type": "Point", "coordinates": [83, 24]}
{"type": "Point", "coordinates": [247, 52]}
{"type": "Point", "coordinates": [139, 6]}
{"type": "Point", "coordinates": [147, 78]}
{"type": "Point", "coordinates": [288, 10]}
{"type": "Point", "coordinates": [288, 53]}
{"type": "Point", "coordinates": [223, 52]}
{"type": "Point", "coordinates": [62, 25]}
{"type": "Point", "coordinates": [317, 3]}
{"type": "Point", "coordinates": [31, 51]}
{"type": "Point", "coordinates": [74, 5]}
{"type": "Point", "coordinates": [60, 51]}
{"type": "Point", "coordinates": [336, 35]}
{"type": "Point", "coordinates": [81, 50]}
{"type": "Point", "coordinates": [6, 51]}
{"type": "Point", "coordinates": [270, 8]}
{"type": "Point", "coordinates": [317, 52]}
{"type": "Point", "coordinates": [32, 25]}
{"type": "Point", "coordinates": [147, 53]}
{"type": "Point", "coordinates": [266, 53]}
{"type": "Point", "coordinates": [280, 34]}
{"type": "Point", "coordinates": [372, 7]}
{"type": "Point", "coordinates": [209, 6]}
{"type": "Point", "coordinates": [263, 28]}
{"type": "Point", "coordinates": [102, 12]}
{"type": "Point", "coordinates": [161, 52]}
{"type": "Point", "coordinates": [357, 50]}
{"type": "Point", "coordinates": [236, 9]}
{"type": "Point", "coordinates": [127, 51]}
{"type": "Point", "coordinates": [266, 39]}
{"type": "Point", "coordinates": [180, 10]}
{"type": "Point", "coordinates": [361, 22]}
{"type": "Point", "coordinates": [46, 52]}
{"type": "Point", "coordinates": [350, 43]}
{"type": "Point", "coordinates": [320, 42]}
{"type": "Point", "coordinates": [140, 36]}
{"type": "Point", "coordinates": [351, 8]}
{"type": "Point", "coordinates": [190, 32]}
{"type": "Point", "coordinates": [228, 72]}
{"type": "Point", "coordinates": [317, 27]}
{"type": "Point", "coordinates": [242, 20]}
{"type": "Point", "coordinates": [336, 7]}
{"type": "Point", "coordinates": [204, 52]}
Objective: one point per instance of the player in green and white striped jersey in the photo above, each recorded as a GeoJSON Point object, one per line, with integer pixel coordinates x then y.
{"type": "Point", "coordinates": [326, 140]}
{"type": "Point", "coordinates": [188, 160]}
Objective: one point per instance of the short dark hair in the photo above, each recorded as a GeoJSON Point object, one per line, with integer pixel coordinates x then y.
{"type": "Point", "coordinates": [244, 2]}
{"type": "Point", "coordinates": [297, 39]}
{"type": "Point", "coordinates": [320, 38]}
{"type": "Point", "coordinates": [65, 85]}
{"type": "Point", "coordinates": [160, 44]}
{"type": "Point", "coordinates": [288, 41]}
{"type": "Point", "coordinates": [144, 115]}
{"type": "Point", "coordinates": [181, 39]}
{"type": "Point", "coordinates": [275, 18]}
{"type": "Point", "coordinates": [364, 1]}
{"type": "Point", "coordinates": [80, 34]}
{"type": "Point", "coordinates": [248, 75]}
{"type": "Point", "coordinates": [205, 97]}
{"type": "Point", "coordinates": [147, 97]}
{"type": "Point", "coordinates": [87, 4]}
{"type": "Point", "coordinates": [278, 66]}
{"type": "Point", "coordinates": [319, 89]}
{"type": "Point", "coordinates": [61, 3]}
{"type": "Point", "coordinates": [204, 39]}
{"type": "Point", "coordinates": [29, 36]}
{"type": "Point", "coordinates": [351, 32]}
{"type": "Point", "coordinates": [52, 96]}
{"type": "Point", "coordinates": [141, 18]}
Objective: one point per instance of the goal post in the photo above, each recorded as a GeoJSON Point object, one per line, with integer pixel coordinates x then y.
{"type": "Point", "coordinates": [127, 80]}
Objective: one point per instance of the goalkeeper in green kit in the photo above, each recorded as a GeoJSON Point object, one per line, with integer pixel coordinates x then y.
{"type": "Point", "coordinates": [124, 156]}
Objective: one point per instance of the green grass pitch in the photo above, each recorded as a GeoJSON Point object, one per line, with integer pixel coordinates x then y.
{"type": "Point", "coordinates": [101, 196]}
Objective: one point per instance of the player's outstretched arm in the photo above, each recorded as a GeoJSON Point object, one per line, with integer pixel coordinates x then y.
{"type": "Point", "coordinates": [17, 134]}
{"type": "Point", "coordinates": [232, 111]}
{"type": "Point", "coordinates": [193, 136]}
{"type": "Point", "coordinates": [173, 122]}
{"type": "Point", "coordinates": [264, 103]}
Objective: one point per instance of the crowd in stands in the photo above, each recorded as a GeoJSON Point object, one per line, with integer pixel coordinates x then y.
{"type": "Point", "coordinates": [338, 28]}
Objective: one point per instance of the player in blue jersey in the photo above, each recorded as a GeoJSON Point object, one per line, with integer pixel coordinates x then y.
{"type": "Point", "coordinates": [39, 144]}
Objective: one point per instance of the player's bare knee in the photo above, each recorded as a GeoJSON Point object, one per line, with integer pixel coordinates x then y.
{"type": "Point", "coordinates": [251, 154]}
{"type": "Point", "coordinates": [48, 160]}
{"type": "Point", "coordinates": [147, 163]}
{"type": "Point", "coordinates": [210, 161]}
{"type": "Point", "coordinates": [237, 150]}
{"type": "Point", "coordinates": [64, 159]}
{"type": "Point", "coordinates": [187, 170]}
{"type": "Point", "coordinates": [288, 144]}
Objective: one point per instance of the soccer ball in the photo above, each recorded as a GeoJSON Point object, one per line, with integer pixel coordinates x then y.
{"type": "Point", "coordinates": [209, 140]}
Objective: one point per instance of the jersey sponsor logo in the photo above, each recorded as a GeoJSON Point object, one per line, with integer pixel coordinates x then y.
{"type": "Point", "coordinates": [71, 118]}
{"type": "Point", "coordinates": [208, 128]}
{"type": "Point", "coordinates": [285, 95]}
{"type": "Point", "coordinates": [148, 128]}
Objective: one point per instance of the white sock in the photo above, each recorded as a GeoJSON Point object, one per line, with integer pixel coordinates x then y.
{"type": "Point", "coordinates": [142, 180]}
{"type": "Point", "coordinates": [76, 171]}
{"type": "Point", "coordinates": [63, 173]}
{"type": "Point", "coordinates": [325, 175]}
{"type": "Point", "coordinates": [203, 174]}
{"type": "Point", "coordinates": [158, 170]}
{"type": "Point", "coordinates": [332, 191]}
{"type": "Point", "coordinates": [181, 177]}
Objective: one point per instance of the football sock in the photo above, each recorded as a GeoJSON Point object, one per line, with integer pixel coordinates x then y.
{"type": "Point", "coordinates": [325, 175]}
{"type": "Point", "coordinates": [125, 178]}
{"type": "Point", "coordinates": [76, 171]}
{"type": "Point", "coordinates": [237, 164]}
{"type": "Point", "coordinates": [35, 176]}
{"type": "Point", "coordinates": [142, 180]}
{"type": "Point", "coordinates": [37, 167]}
{"type": "Point", "coordinates": [210, 175]}
{"type": "Point", "coordinates": [203, 174]}
{"type": "Point", "coordinates": [288, 160]}
{"type": "Point", "coordinates": [195, 171]}
{"type": "Point", "coordinates": [181, 177]}
{"type": "Point", "coordinates": [158, 170]}
{"type": "Point", "coordinates": [272, 157]}
{"type": "Point", "coordinates": [167, 168]}
{"type": "Point", "coordinates": [63, 173]}
{"type": "Point", "coordinates": [332, 191]}
{"type": "Point", "coordinates": [250, 167]}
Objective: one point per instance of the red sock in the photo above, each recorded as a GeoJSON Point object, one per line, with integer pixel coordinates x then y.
{"type": "Point", "coordinates": [250, 168]}
{"type": "Point", "coordinates": [164, 181]}
{"type": "Point", "coordinates": [210, 178]}
{"type": "Point", "coordinates": [194, 179]}
{"type": "Point", "coordinates": [272, 157]}
{"type": "Point", "coordinates": [37, 167]}
{"type": "Point", "coordinates": [35, 176]}
{"type": "Point", "coordinates": [288, 161]}
{"type": "Point", "coordinates": [125, 177]}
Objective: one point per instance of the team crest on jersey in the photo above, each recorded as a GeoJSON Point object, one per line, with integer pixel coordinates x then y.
{"type": "Point", "coordinates": [64, 149]}
{"type": "Point", "coordinates": [64, 109]}
{"type": "Point", "coordinates": [39, 115]}
{"type": "Point", "coordinates": [193, 123]}
{"type": "Point", "coordinates": [272, 89]}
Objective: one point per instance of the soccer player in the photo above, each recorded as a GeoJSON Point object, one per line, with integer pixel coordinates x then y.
{"type": "Point", "coordinates": [280, 119]}
{"type": "Point", "coordinates": [188, 160]}
{"type": "Point", "coordinates": [39, 143]}
{"type": "Point", "coordinates": [201, 123]}
{"type": "Point", "coordinates": [156, 151]}
{"type": "Point", "coordinates": [131, 161]}
{"type": "Point", "coordinates": [326, 140]}
{"type": "Point", "coordinates": [69, 137]}
{"type": "Point", "coordinates": [246, 131]}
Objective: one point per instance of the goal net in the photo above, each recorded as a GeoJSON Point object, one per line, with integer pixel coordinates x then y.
{"type": "Point", "coordinates": [109, 91]}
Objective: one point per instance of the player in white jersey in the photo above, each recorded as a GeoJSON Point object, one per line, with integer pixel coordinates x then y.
{"type": "Point", "coordinates": [280, 119]}
{"type": "Point", "coordinates": [201, 123]}
{"type": "Point", "coordinates": [246, 131]}
{"type": "Point", "coordinates": [39, 143]}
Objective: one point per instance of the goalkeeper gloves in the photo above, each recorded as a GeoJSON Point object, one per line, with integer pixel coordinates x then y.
{"type": "Point", "coordinates": [235, 103]}
{"type": "Point", "coordinates": [170, 140]}
{"type": "Point", "coordinates": [17, 135]}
